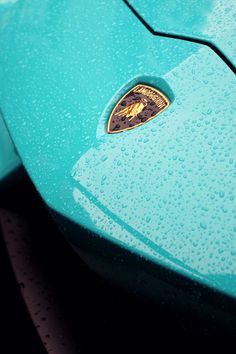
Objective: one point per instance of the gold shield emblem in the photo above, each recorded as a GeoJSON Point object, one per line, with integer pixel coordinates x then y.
{"type": "Point", "coordinates": [139, 105]}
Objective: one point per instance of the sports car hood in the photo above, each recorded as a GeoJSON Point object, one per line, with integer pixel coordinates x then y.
{"type": "Point", "coordinates": [165, 189]}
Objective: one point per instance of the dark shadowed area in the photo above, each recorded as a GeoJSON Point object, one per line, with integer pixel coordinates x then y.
{"type": "Point", "coordinates": [94, 315]}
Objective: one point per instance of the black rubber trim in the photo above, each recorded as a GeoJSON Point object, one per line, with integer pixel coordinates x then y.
{"type": "Point", "coordinates": [186, 38]}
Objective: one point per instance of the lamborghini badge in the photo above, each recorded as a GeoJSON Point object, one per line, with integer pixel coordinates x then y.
{"type": "Point", "coordinates": [136, 107]}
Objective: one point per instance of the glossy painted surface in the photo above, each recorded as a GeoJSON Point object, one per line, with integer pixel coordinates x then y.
{"type": "Point", "coordinates": [9, 160]}
{"type": "Point", "coordinates": [165, 190]}
{"type": "Point", "coordinates": [210, 20]}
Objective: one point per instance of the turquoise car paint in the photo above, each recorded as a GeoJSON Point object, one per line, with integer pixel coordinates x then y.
{"type": "Point", "coordinates": [213, 21]}
{"type": "Point", "coordinates": [9, 159]}
{"type": "Point", "coordinates": [164, 190]}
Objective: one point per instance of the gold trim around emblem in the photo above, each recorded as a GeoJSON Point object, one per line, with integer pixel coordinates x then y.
{"type": "Point", "coordinates": [140, 106]}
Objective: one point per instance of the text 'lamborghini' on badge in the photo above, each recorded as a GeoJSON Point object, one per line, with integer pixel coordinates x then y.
{"type": "Point", "coordinates": [139, 105]}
